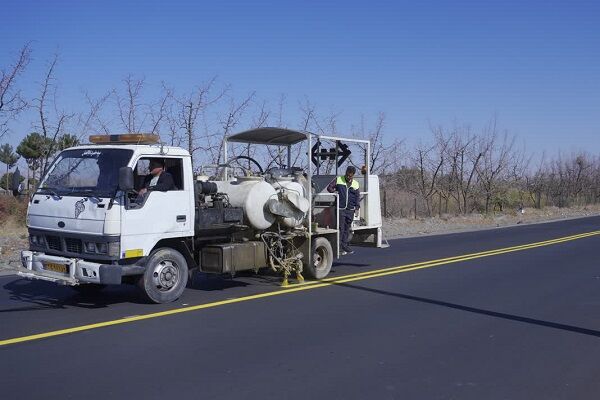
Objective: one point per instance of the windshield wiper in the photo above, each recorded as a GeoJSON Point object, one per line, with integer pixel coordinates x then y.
{"type": "Point", "coordinates": [88, 193]}
{"type": "Point", "coordinates": [51, 190]}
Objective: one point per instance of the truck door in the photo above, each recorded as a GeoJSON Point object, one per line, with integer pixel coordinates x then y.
{"type": "Point", "coordinates": [157, 214]}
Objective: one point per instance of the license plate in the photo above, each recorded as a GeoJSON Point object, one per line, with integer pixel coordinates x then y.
{"type": "Point", "coordinates": [61, 268]}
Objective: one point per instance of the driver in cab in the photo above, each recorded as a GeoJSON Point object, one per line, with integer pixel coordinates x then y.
{"type": "Point", "coordinates": [158, 179]}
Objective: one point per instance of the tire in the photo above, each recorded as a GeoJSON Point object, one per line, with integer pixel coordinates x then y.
{"type": "Point", "coordinates": [166, 276]}
{"type": "Point", "coordinates": [321, 259]}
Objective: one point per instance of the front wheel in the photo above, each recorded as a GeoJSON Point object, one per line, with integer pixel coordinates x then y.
{"type": "Point", "coordinates": [321, 259]}
{"type": "Point", "coordinates": [165, 277]}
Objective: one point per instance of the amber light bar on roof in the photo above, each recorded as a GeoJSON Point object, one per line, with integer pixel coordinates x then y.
{"type": "Point", "coordinates": [127, 138]}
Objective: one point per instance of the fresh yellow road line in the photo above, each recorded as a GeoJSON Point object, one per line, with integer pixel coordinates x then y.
{"type": "Point", "coordinates": [465, 258]}
{"type": "Point", "coordinates": [461, 257]}
{"type": "Point", "coordinates": [298, 288]}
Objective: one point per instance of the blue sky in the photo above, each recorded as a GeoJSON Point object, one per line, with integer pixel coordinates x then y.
{"type": "Point", "coordinates": [534, 64]}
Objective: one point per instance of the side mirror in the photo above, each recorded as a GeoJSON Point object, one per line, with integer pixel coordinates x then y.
{"type": "Point", "coordinates": [125, 179]}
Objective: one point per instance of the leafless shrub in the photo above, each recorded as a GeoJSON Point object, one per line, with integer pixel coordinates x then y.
{"type": "Point", "coordinates": [11, 99]}
{"type": "Point", "coordinates": [52, 120]}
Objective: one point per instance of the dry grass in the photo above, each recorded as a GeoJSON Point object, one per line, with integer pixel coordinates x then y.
{"type": "Point", "coordinates": [12, 216]}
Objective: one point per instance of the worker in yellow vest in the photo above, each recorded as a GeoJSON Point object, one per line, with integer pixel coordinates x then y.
{"type": "Point", "coordinates": [348, 192]}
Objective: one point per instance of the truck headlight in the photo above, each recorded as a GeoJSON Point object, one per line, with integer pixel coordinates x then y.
{"type": "Point", "coordinates": [101, 247]}
{"type": "Point", "coordinates": [37, 240]}
{"type": "Point", "coordinates": [114, 249]}
{"type": "Point", "coordinates": [111, 248]}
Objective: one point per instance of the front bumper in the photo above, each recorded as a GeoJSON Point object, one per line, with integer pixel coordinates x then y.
{"type": "Point", "coordinates": [77, 271]}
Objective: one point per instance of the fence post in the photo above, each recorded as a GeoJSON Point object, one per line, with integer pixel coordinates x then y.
{"type": "Point", "coordinates": [415, 208]}
{"type": "Point", "coordinates": [385, 213]}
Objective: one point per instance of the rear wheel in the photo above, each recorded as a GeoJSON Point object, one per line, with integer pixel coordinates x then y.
{"type": "Point", "coordinates": [166, 276]}
{"type": "Point", "coordinates": [321, 259]}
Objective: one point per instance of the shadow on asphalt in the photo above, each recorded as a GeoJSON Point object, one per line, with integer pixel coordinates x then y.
{"type": "Point", "coordinates": [40, 295]}
{"type": "Point", "coordinates": [532, 321]}
{"type": "Point", "coordinates": [210, 283]}
{"type": "Point", "coordinates": [347, 264]}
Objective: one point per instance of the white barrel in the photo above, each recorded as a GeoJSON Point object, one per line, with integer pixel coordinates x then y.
{"type": "Point", "coordinates": [292, 187]}
{"type": "Point", "coordinates": [251, 195]}
{"type": "Point", "coordinates": [288, 184]}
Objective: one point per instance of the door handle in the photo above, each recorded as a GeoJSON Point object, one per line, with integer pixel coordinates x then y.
{"type": "Point", "coordinates": [181, 218]}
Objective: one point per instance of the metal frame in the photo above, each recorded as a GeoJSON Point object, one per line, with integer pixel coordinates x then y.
{"type": "Point", "coordinates": [309, 142]}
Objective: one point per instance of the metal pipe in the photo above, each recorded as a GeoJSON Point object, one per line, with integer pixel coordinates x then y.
{"type": "Point", "coordinates": [225, 177]}
{"type": "Point", "coordinates": [368, 173]}
{"type": "Point", "coordinates": [343, 139]}
{"type": "Point", "coordinates": [310, 197]}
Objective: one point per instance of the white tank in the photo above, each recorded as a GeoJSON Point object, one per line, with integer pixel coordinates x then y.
{"type": "Point", "coordinates": [251, 193]}
{"type": "Point", "coordinates": [289, 184]}
{"type": "Point", "coordinates": [297, 195]}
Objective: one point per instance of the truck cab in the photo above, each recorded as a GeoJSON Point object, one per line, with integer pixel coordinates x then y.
{"type": "Point", "coordinates": [84, 229]}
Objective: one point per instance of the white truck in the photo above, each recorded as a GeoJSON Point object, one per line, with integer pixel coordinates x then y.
{"type": "Point", "coordinates": [88, 227]}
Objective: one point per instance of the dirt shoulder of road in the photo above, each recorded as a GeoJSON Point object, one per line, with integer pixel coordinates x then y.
{"type": "Point", "coordinates": [14, 238]}
{"type": "Point", "coordinates": [409, 227]}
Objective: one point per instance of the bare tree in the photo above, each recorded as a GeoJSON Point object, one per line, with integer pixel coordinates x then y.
{"type": "Point", "coordinates": [385, 156]}
{"type": "Point", "coordinates": [137, 114]}
{"type": "Point", "coordinates": [90, 121]}
{"type": "Point", "coordinates": [174, 130]}
{"type": "Point", "coordinates": [189, 108]}
{"type": "Point", "coordinates": [497, 155]}
{"type": "Point", "coordinates": [228, 122]}
{"type": "Point", "coordinates": [276, 156]}
{"type": "Point", "coordinates": [428, 161]}
{"type": "Point", "coordinates": [463, 155]}
{"type": "Point", "coordinates": [157, 111]}
{"type": "Point", "coordinates": [328, 125]}
{"type": "Point", "coordinates": [570, 179]}
{"type": "Point", "coordinates": [11, 100]}
{"type": "Point", "coordinates": [52, 121]}
{"type": "Point", "coordinates": [129, 103]}
{"type": "Point", "coordinates": [535, 182]}
{"type": "Point", "coordinates": [446, 186]}
{"type": "Point", "coordinates": [280, 106]}
{"type": "Point", "coordinates": [261, 119]}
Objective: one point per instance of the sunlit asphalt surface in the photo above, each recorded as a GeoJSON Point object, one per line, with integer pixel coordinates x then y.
{"type": "Point", "coordinates": [521, 325]}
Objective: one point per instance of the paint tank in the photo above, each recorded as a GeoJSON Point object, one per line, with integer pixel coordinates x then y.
{"type": "Point", "coordinates": [295, 193]}
{"type": "Point", "coordinates": [252, 194]}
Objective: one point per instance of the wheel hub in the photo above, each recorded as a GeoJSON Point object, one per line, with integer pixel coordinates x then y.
{"type": "Point", "coordinates": [318, 258]}
{"type": "Point", "coordinates": [165, 275]}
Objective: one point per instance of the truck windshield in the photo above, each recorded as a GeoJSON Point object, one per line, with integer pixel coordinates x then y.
{"type": "Point", "coordinates": [91, 172]}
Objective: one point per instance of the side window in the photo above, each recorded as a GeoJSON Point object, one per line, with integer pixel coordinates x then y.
{"type": "Point", "coordinates": [142, 169]}
{"type": "Point", "coordinates": [172, 166]}
{"type": "Point", "coordinates": [143, 166]}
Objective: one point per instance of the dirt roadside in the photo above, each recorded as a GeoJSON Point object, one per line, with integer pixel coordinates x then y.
{"type": "Point", "coordinates": [406, 227]}
{"type": "Point", "coordinates": [13, 238]}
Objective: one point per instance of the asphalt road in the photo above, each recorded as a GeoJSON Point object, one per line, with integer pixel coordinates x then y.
{"type": "Point", "coordinates": [521, 323]}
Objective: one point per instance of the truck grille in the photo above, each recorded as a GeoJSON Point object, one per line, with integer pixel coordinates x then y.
{"type": "Point", "coordinates": [54, 242]}
{"type": "Point", "coordinates": [73, 245]}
